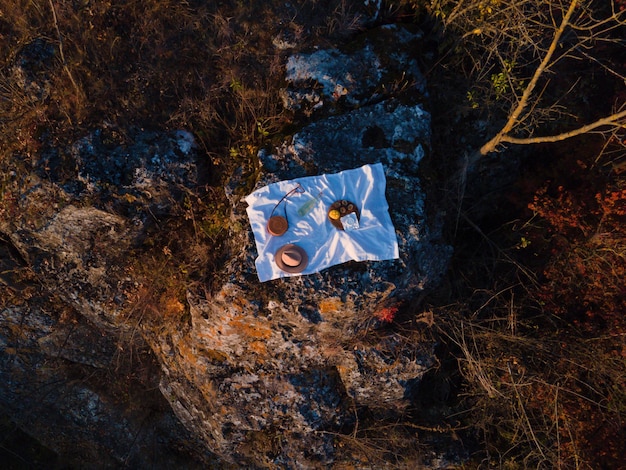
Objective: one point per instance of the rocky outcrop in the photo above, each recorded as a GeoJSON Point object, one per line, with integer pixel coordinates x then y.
{"type": "Point", "coordinates": [68, 291]}
{"type": "Point", "coordinates": [287, 361]}
{"type": "Point", "coordinates": [375, 66]}
{"type": "Point", "coordinates": [78, 214]}
{"type": "Point", "coordinates": [262, 374]}
{"type": "Point", "coordinates": [67, 384]}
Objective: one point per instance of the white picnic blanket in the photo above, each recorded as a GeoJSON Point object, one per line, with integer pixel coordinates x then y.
{"type": "Point", "coordinates": [374, 239]}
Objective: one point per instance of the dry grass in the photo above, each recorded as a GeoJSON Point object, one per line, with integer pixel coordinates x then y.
{"type": "Point", "coordinates": [540, 401]}
{"type": "Point", "coordinates": [539, 340]}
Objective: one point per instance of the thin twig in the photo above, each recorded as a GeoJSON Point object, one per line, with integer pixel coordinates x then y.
{"type": "Point", "coordinates": [556, 419]}
{"type": "Point", "coordinates": [61, 53]}
{"type": "Point", "coordinates": [521, 404]}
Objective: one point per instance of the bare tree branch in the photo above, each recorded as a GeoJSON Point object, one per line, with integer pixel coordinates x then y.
{"type": "Point", "coordinates": [594, 29]}
{"type": "Point", "coordinates": [513, 119]}
{"type": "Point", "coordinates": [612, 120]}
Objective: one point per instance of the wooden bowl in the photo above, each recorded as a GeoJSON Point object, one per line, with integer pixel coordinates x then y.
{"type": "Point", "coordinates": [277, 225]}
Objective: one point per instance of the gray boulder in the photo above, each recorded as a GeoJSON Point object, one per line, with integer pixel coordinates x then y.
{"type": "Point", "coordinates": [77, 216]}
{"type": "Point", "coordinates": [375, 66]}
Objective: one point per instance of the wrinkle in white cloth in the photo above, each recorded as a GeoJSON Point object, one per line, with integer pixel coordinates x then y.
{"type": "Point", "coordinates": [326, 246]}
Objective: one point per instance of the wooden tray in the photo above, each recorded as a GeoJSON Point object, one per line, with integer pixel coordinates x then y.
{"type": "Point", "coordinates": [344, 207]}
